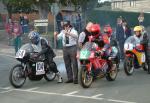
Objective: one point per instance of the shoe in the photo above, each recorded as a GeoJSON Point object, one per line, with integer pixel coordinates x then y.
{"type": "Point", "coordinates": [69, 81]}
{"type": "Point", "coordinates": [75, 82]}
{"type": "Point", "coordinates": [60, 79]}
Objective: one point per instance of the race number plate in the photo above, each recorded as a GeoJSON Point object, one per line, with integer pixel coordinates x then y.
{"type": "Point", "coordinates": [143, 58]}
{"type": "Point", "coordinates": [20, 54]}
{"type": "Point", "coordinates": [40, 68]}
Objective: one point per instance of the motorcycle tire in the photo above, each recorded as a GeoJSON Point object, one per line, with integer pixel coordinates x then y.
{"type": "Point", "coordinates": [128, 66]}
{"type": "Point", "coordinates": [15, 76]}
{"type": "Point", "coordinates": [50, 76]}
{"type": "Point", "coordinates": [112, 74]}
{"type": "Point", "coordinates": [85, 79]}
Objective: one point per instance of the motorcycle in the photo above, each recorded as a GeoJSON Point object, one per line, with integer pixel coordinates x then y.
{"type": "Point", "coordinates": [93, 66]}
{"type": "Point", "coordinates": [34, 69]}
{"type": "Point", "coordinates": [134, 56]}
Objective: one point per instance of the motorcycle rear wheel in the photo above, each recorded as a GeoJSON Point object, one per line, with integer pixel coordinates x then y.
{"type": "Point", "coordinates": [85, 78]}
{"type": "Point", "coordinates": [128, 66]}
{"type": "Point", "coordinates": [17, 76]}
{"type": "Point", "coordinates": [50, 76]}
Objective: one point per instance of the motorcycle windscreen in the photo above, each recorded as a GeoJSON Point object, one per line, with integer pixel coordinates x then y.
{"type": "Point", "coordinates": [85, 52]}
{"type": "Point", "coordinates": [30, 48]}
{"type": "Point", "coordinates": [27, 48]}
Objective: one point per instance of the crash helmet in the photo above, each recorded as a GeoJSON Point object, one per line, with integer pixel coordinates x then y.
{"type": "Point", "coordinates": [137, 29]}
{"type": "Point", "coordinates": [108, 30]}
{"type": "Point", "coordinates": [95, 30]}
{"type": "Point", "coordinates": [34, 37]}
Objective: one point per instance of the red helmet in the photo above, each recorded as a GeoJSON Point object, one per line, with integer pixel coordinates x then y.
{"type": "Point", "coordinates": [108, 30]}
{"type": "Point", "coordinates": [95, 30]}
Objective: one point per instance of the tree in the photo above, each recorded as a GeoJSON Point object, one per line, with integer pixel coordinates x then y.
{"type": "Point", "coordinates": [12, 5]}
{"type": "Point", "coordinates": [42, 5]}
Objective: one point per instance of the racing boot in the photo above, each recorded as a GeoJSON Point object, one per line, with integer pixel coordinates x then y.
{"type": "Point", "coordinates": [60, 79]}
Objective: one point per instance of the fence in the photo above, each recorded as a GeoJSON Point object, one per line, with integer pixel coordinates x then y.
{"type": "Point", "coordinates": [110, 17]}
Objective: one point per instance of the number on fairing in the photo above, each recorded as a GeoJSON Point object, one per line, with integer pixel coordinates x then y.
{"type": "Point", "coordinates": [20, 54]}
{"type": "Point", "coordinates": [128, 46]}
{"type": "Point", "coordinates": [40, 68]}
{"type": "Point", "coordinates": [143, 58]}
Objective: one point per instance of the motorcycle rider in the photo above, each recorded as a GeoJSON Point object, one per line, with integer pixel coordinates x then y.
{"type": "Point", "coordinates": [136, 40]}
{"type": "Point", "coordinates": [113, 43]}
{"type": "Point", "coordinates": [45, 50]}
{"type": "Point", "coordinates": [83, 37]}
{"type": "Point", "coordinates": [146, 42]}
{"type": "Point", "coordinates": [102, 40]}
{"type": "Point", "coordinates": [104, 47]}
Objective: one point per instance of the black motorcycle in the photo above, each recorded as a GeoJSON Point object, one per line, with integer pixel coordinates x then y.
{"type": "Point", "coordinates": [34, 69]}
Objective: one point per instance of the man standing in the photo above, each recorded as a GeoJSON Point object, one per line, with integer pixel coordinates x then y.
{"type": "Point", "coordinates": [120, 36]}
{"type": "Point", "coordinates": [69, 39]}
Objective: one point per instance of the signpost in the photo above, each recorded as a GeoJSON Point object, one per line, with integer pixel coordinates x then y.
{"type": "Point", "coordinates": [41, 22]}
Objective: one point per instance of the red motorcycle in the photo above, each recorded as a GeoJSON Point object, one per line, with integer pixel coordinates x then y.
{"type": "Point", "coordinates": [92, 65]}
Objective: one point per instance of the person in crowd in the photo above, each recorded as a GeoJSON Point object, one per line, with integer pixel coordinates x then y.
{"type": "Point", "coordinates": [84, 35]}
{"type": "Point", "coordinates": [26, 24]}
{"type": "Point", "coordinates": [120, 36]}
{"type": "Point", "coordinates": [69, 39]}
{"type": "Point", "coordinates": [141, 18]}
{"type": "Point", "coordinates": [79, 22]}
{"type": "Point", "coordinates": [17, 31]}
{"type": "Point", "coordinates": [9, 29]}
{"type": "Point", "coordinates": [126, 28]}
{"type": "Point", "coordinates": [21, 21]}
{"type": "Point", "coordinates": [45, 50]}
{"type": "Point", "coordinates": [59, 19]}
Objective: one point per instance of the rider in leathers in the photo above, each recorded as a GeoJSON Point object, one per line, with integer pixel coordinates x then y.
{"type": "Point", "coordinates": [46, 50]}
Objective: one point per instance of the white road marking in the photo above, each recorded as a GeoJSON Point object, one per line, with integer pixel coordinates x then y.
{"type": "Point", "coordinates": [31, 89]}
{"type": "Point", "coordinates": [98, 95]}
{"type": "Point", "coordinates": [95, 97]}
{"type": "Point", "coordinates": [71, 93]}
{"type": "Point", "coordinates": [7, 88]}
{"type": "Point", "coordinates": [6, 91]}
{"type": "Point", "coordinates": [119, 101]}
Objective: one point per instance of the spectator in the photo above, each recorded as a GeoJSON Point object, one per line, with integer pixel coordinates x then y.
{"type": "Point", "coordinates": [9, 28]}
{"type": "Point", "coordinates": [59, 19]}
{"type": "Point", "coordinates": [26, 25]}
{"type": "Point", "coordinates": [126, 28]}
{"type": "Point", "coordinates": [120, 36]}
{"type": "Point", "coordinates": [21, 20]}
{"type": "Point", "coordinates": [79, 22]}
{"type": "Point", "coordinates": [69, 38]}
{"type": "Point", "coordinates": [141, 18]}
{"type": "Point", "coordinates": [17, 31]}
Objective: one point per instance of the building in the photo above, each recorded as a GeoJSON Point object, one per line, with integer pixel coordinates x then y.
{"type": "Point", "coordinates": [131, 5]}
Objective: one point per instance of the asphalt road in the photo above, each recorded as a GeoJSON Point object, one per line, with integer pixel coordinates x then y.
{"type": "Point", "coordinates": [133, 89]}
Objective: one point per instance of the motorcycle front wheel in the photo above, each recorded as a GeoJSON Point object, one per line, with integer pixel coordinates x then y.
{"type": "Point", "coordinates": [128, 66]}
{"type": "Point", "coordinates": [17, 76]}
{"type": "Point", "coordinates": [85, 78]}
{"type": "Point", "coordinates": [112, 73]}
